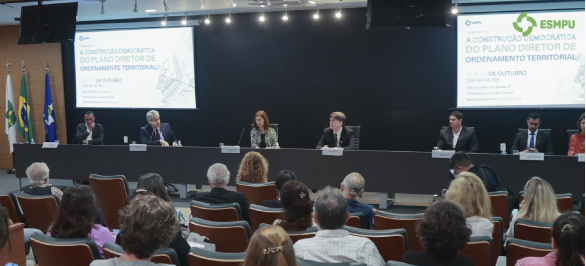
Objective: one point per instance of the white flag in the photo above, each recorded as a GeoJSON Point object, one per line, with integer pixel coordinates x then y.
{"type": "Point", "coordinates": [10, 115]}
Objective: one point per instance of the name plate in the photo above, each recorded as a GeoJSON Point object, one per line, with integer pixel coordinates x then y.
{"type": "Point", "coordinates": [50, 145]}
{"type": "Point", "coordinates": [581, 157]}
{"type": "Point", "coordinates": [530, 156]}
{"type": "Point", "coordinates": [138, 147]}
{"type": "Point", "coordinates": [442, 154]}
{"type": "Point", "coordinates": [332, 151]}
{"type": "Point", "coordinates": [230, 149]}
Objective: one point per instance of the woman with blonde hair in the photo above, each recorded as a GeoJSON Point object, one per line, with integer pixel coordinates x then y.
{"type": "Point", "coordinates": [469, 191]}
{"type": "Point", "coordinates": [270, 246]}
{"type": "Point", "coordinates": [253, 168]}
{"type": "Point", "coordinates": [539, 205]}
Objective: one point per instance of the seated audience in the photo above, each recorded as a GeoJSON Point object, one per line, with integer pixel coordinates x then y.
{"type": "Point", "coordinates": [457, 137]}
{"type": "Point", "coordinates": [263, 135]}
{"type": "Point", "coordinates": [297, 207]}
{"type": "Point", "coordinates": [253, 168]}
{"type": "Point", "coordinates": [146, 224]}
{"type": "Point", "coordinates": [539, 205]}
{"type": "Point", "coordinates": [468, 191]}
{"type": "Point", "coordinates": [270, 246]}
{"type": "Point", "coordinates": [282, 178]}
{"type": "Point", "coordinates": [28, 232]}
{"type": "Point", "coordinates": [218, 178]}
{"type": "Point", "coordinates": [567, 242]}
{"type": "Point", "coordinates": [577, 140]}
{"type": "Point", "coordinates": [352, 188]}
{"type": "Point", "coordinates": [333, 244]}
{"type": "Point", "coordinates": [461, 162]}
{"type": "Point", "coordinates": [5, 223]}
{"type": "Point", "coordinates": [77, 212]}
{"type": "Point", "coordinates": [38, 177]}
{"type": "Point", "coordinates": [444, 233]}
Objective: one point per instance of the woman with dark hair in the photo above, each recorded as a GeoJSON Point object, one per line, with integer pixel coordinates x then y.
{"type": "Point", "coordinates": [4, 230]}
{"type": "Point", "coordinates": [282, 178]}
{"type": "Point", "coordinates": [297, 206]}
{"type": "Point", "coordinates": [577, 140]}
{"type": "Point", "coordinates": [567, 242]}
{"type": "Point", "coordinates": [253, 168]}
{"type": "Point", "coordinates": [270, 246]}
{"type": "Point", "coordinates": [262, 134]}
{"type": "Point", "coordinates": [77, 212]}
{"type": "Point", "coordinates": [443, 230]}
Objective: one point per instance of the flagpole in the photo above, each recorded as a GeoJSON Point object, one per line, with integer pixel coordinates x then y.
{"type": "Point", "coordinates": [11, 171]}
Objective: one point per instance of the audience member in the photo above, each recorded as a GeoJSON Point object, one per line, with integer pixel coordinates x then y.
{"type": "Point", "coordinates": [282, 178]}
{"type": "Point", "coordinates": [146, 224]}
{"type": "Point", "coordinates": [38, 177]}
{"type": "Point", "coordinates": [468, 191]}
{"type": "Point", "coordinates": [332, 243]}
{"type": "Point", "coordinates": [461, 162]}
{"type": "Point", "coordinates": [218, 178]}
{"type": "Point", "coordinates": [262, 134]}
{"type": "Point", "coordinates": [297, 205]}
{"type": "Point", "coordinates": [253, 168]}
{"type": "Point", "coordinates": [77, 212]}
{"type": "Point", "coordinates": [577, 140]}
{"type": "Point", "coordinates": [539, 205]}
{"type": "Point", "coordinates": [270, 246]}
{"type": "Point", "coordinates": [567, 242]}
{"type": "Point", "coordinates": [28, 232]}
{"type": "Point", "coordinates": [444, 233]}
{"type": "Point", "coordinates": [352, 188]}
{"type": "Point", "coordinates": [5, 223]}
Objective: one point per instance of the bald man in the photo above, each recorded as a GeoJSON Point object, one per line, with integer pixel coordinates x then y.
{"type": "Point", "coordinates": [352, 188]}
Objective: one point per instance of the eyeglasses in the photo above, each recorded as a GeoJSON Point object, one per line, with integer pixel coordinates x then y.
{"type": "Point", "coordinates": [258, 120]}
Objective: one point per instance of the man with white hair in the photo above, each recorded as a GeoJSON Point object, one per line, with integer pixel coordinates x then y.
{"type": "Point", "coordinates": [157, 133]}
{"type": "Point", "coordinates": [38, 177]}
{"type": "Point", "coordinates": [352, 188]}
{"type": "Point", "coordinates": [218, 178]}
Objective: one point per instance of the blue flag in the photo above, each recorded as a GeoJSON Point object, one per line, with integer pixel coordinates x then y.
{"type": "Point", "coordinates": [50, 134]}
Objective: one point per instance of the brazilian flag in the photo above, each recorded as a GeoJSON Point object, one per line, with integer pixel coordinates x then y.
{"type": "Point", "coordinates": [25, 120]}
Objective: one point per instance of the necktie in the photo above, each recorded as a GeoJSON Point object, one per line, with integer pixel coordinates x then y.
{"type": "Point", "coordinates": [158, 135]}
{"type": "Point", "coordinates": [532, 141]}
{"type": "Point", "coordinates": [335, 139]}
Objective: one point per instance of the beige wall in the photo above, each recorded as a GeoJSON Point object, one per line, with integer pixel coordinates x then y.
{"type": "Point", "coordinates": [35, 57]}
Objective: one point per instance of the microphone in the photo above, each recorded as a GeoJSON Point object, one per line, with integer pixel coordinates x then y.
{"type": "Point", "coordinates": [152, 135]}
{"type": "Point", "coordinates": [240, 137]}
{"type": "Point", "coordinates": [73, 139]}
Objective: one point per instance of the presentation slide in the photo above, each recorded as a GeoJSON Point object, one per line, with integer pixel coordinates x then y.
{"type": "Point", "coordinates": [146, 68]}
{"type": "Point", "coordinates": [521, 60]}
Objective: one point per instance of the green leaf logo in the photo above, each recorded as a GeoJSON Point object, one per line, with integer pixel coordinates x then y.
{"type": "Point", "coordinates": [529, 29]}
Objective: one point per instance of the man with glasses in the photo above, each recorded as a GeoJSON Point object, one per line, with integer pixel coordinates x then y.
{"type": "Point", "coordinates": [90, 132]}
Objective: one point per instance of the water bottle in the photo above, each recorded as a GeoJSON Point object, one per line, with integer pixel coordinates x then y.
{"type": "Point", "coordinates": [277, 146]}
{"type": "Point", "coordinates": [179, 144]}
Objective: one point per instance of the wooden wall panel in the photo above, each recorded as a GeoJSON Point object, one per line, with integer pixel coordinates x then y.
{"type": "Point", "coordinates": [35, 57]}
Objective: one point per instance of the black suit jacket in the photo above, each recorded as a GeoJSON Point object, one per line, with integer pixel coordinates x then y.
{"type": "Point", "coordinates": [346, 139]}
{"type": "Point", "coordinates": [148, 137]}
{"type": "Point", "coordinates": [97, 134]}
{"type": "Point", "coordinates": [467, 141]}
{"type": "Point", "coordinates": [221, 195]}
{"type": "Point", "coordinates": [543, 142]}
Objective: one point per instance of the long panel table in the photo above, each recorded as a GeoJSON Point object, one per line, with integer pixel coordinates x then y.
{"type": "Point", "coordinates": [384, 171]}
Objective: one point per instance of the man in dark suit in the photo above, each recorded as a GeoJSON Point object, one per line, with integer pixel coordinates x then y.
{"type": "Point", "coordinates": [457, 137]}
{"type": "Point", "coordinates": [218, 178]}
{"type": "Point", "coordinates": [157, 133]}
{"type": "Point", "coordinates": [533, 139]}
{"type": "Point", "coordinates": [90, 132]}
{"type": "Point", "coordinates": [337, 135]}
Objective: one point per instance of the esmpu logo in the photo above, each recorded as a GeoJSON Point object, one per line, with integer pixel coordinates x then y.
{"type": "Point", "coordinates": [81, 38]}
{"type": "Point", "coordinates": [468, 22]}
{"type": "Point", "coordinates": [544, 24]}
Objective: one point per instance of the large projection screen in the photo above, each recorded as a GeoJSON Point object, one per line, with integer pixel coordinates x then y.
{"type": "Point", "coordinates": [143, 68]}
{"type": "Point", "coordinates": [499, 67]}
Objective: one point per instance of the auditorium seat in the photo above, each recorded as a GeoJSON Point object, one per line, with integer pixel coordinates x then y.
{"type": "Point", "coordinates": [356, 220]}
{"type": "Point", "coordinates": [224, 212]}
{"type": "Point", "coordinates": [385, 221]}
{"type": "Point", "coordinates": [532, 231]}
{"type": "Point", "coordinates": [261, 214]}
{"type": "Point", "coordinates": [40, 211]}
{"type": "Point", "coordinates": [480, 250]}
{"type": "Point", "coordinates": [518, 249]}
{"type": "Point", "coordinates": [298, 235]}
{"type": "Point", "coordinates": [391, 244]}
{"type": "Point", "coordinates": [356, 130]}
{"type": "Point", "coordinates": [301, 262]}
{"type": "Point", "coordinates": [8, 200]}
{"type": "Point", "coordinates": [497, 237]}
{"type": "Point", "coordinates": [198, 256]}
{"type": "Point", "coordinates": [256, 193]}
{"type": "Point", "coordinates": [564, 201]}
{"type": "Point", "coordinates": [163, 255]}
{"type": "Point", "coordinates": [111, 192]}
{"type": "Point", "coordinates": [227, 236]}
{"type": "Point", "coordinates": [499, 201]}
{"type": "Point", "coordinates": [14, 250]}
{"type": "Point", "coordinates": [50, 251]}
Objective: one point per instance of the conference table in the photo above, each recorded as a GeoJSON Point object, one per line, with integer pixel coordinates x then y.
{"type": "Point", "coordinates": [384, 171]}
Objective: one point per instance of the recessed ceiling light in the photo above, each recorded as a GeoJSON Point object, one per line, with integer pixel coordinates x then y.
{"type": "Point", "coordinates": [150, 10]}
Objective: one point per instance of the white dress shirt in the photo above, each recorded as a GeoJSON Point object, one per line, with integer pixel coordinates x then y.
{"type": "Point", "coordinates": [89, 137]}
{"type": "Point", "coordinates": [336, 246]}
{"type": "Point", "coordinates": [456, 136]}
{"type": "Point", "coordinates": [338, 134]}
{"type": "Point", "coordinates": [480, 226]}
{"type": "Point", "coordinates": [529, 138]}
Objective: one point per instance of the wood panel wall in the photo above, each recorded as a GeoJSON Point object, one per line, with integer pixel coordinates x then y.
{"type": "Point", "coordinates": [35, 57]}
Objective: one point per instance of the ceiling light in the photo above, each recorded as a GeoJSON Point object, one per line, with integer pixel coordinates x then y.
{"type": "Point", "coordinates": [316, 15]}
{"type": "Point", "coordinates": [202, 6]}
{"type": "Point", "coordinates": [233, 3]}
{"type": "Point", "coordinates": [184, 21]}
{"type": "Point", "coordinates": [164, 22]}
{"type": "Point", "coordinates": [339, 13]}
{"type": "Point", "coordinates": [311, 2]}
{"type": "Point", "coordinates": [262, 17]}
{"type": "Point", "coordinates": [165, 5]}
{"type": "Point", "coordinates": [135, 7]}
{"type": "Point", "coordinates": [229, 18]}
{"type": "Point", "coordinates": [150, 10]}
{"type": "Point", "coordinates": [285, 17]}
{"type": "Point", "coordinates": [455, 9]}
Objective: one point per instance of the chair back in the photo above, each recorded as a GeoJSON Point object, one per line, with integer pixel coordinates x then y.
{"type": "Point", "coordinates": [40, 210]}
{"type": "Point", "coordinates": [256, 193]}
{"type": "Point", "coordinates": [499, 201]}
{"type": "Point", "coordinates": [385, 221]}
{"type": "Point", "coordinates": [355, 220]}
{"type": "Point", "coordinates": [518, 249]}
{"type": "Point", "coordinates": [448, 127]}
{"type": "Point", "coordinates": [564, 201]}
{"type": "Point", "coordinates": [548, 130]}
{"type": "Point", "coordinates": [497, 238]}
{"type": "Point", "coordinates": [392, 244]}
{"type": "Point", "coordinates": [13, 251]}
{"type": "Point", "coordinates": [163, 255]}
{"type": "Point", "coordinates": [295, 236]}
{"type": "Point", "coordinates": [480, 250]}
{"type": "Point", "coordinates": [356, 130]}
{"type": "Point", "coordinates": [301, 262]}
{"type": "Point", "coordinates": [224, 212]}
{"type": "Point", "coordinates": [227, 236]}
{"type": "Point", "coordinates": [50, 251]}
{"type": "Point", "coordinates": [198, 256]}
{"type": "Point", "coordinates": [570, 133]}
{"type": "Point", "coordinates": [112, 192]}
{"type": "Point", "coordinates": [112, 250]}
{"type": "Point", "coordinates": [533, 231]}
{"type": "Point", "coordinates": [9, 201]}
{"type": "Point", "coordinates": [261, 214]}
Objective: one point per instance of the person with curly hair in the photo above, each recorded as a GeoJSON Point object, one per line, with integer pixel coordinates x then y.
{"type": "Point", "coordinates": [270, 246]}
{"type": "Point", "coordinates": [469, 191]}
{"type": "Point", "coordinates": [297, 205]}
{"type": "Point", "coordinates": [443, 230]}
{"type": "Point", "coordinates": [253, 168]}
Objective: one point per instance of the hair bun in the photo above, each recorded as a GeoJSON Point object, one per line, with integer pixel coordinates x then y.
{"type": "Point", "coordinates": [273, 250]}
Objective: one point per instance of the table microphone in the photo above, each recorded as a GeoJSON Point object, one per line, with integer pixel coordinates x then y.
{"type": "Point", "coordinates": [240, 137]}
{"type": "Point", "coordinates": [73, 139]}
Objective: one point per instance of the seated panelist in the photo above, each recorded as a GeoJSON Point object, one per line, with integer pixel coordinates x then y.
{"type": "Point", "coordinates": [157, 133]}
{"type": "Point", "coordinates": [337, 135]}
{"type": "Point", "coordinates": [577, 140]}
{"type": "Point", "coordinates": [262, 135]}
{"type": "Point", "coordinates": [532, 139]}
{"type": "Point", "coordinates": [90, 132]}
{"type": "Point", "coordinates": [457, 137]}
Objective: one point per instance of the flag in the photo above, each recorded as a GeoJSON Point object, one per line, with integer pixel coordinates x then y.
{"type": "Point", "coordinates": [10, 116]}
{"type": "Point", "coordinates": [50, 134]}
{"type": "Point", "coordinates": [25, 120]}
